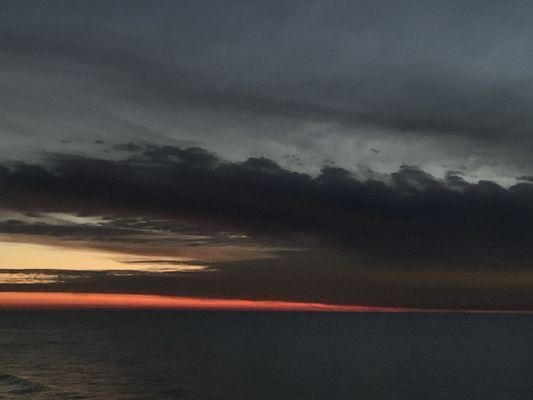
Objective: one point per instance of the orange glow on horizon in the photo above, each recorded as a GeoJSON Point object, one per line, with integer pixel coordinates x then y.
{"type": "Point", "coordinates": [52, 300]}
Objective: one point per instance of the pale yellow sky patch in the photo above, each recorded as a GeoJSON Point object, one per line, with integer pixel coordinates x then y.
{"type": "Point", "coordinates": [25, 255]}
{"type": "Point", "coordinates": [16, 255]}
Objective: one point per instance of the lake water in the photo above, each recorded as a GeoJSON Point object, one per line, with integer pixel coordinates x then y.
{"type": "Point", "coordinates": [243, 355]}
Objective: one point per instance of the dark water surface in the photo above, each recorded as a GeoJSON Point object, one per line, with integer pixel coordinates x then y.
{"type": "Point", "coordinates": [205, 355]}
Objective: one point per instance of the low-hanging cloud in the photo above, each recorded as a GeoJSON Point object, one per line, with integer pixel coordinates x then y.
{"type": "Point", "coordinates": [411, 218]}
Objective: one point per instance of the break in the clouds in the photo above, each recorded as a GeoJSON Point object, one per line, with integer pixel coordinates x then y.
{"type": "Point", "coordinates": [349, 151]}
{"type": "Point", "coordinates": [441, 85]}
{"type": "Point", "coordinates": [262, 231]}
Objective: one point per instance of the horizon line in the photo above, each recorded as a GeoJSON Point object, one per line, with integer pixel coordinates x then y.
{"type": "Point", "coordinates": [119, 301]}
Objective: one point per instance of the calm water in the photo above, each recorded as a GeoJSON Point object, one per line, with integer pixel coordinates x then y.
{"type": "Point", "coordinates": [192, 355]}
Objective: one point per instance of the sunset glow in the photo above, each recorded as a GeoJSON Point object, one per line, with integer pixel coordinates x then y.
{"type": "Point", "coordinates": [48, 300]}
{"type": "Point", "coordinates": [38, 256]}
{"type": "Point", "coordinates": [43, 256]}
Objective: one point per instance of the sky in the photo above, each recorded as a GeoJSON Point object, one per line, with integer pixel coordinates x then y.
{"type": "Point", "coordinates": [354, 153]}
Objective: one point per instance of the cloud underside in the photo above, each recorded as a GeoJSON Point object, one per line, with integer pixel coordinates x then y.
{"type": "Point", "coordinates": [165, 193]}
{"type": "Point", "coordinates": [268, 232]}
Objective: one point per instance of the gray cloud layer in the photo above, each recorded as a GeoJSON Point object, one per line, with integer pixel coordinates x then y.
{"type": "Point", "coordinates": [261, 73]}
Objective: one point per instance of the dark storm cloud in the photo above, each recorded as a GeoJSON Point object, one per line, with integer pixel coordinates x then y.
{"type": "Point", "coordinates": [460, 67]}
{"type": "Point", "coordinates": [414, 219]}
